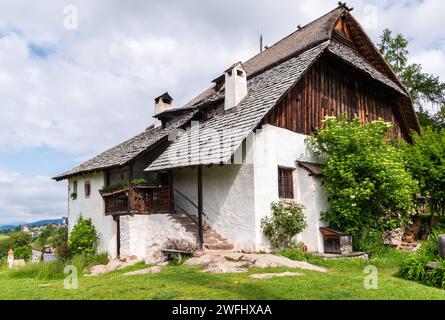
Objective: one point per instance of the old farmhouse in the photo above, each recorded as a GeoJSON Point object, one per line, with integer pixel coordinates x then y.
{"type": "Point", "coordinates": [208, 172]}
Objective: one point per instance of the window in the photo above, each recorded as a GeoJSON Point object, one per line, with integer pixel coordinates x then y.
{"type": "Point", "coordinates": [87, 189]}
{"type": "Point", "coordinates": [239, 73]}
{"type": "Point", "coordinates": [74, 191]}
{"type": "Point", "coordinates": [285, 183]}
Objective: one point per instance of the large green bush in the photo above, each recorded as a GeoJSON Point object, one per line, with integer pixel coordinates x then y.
{"type": "Point", "coordinates": [287, 220]}
{"type": "Point", "coordinates": [83, 238]}
{"type": "Point", "coordinates": [369, 188]}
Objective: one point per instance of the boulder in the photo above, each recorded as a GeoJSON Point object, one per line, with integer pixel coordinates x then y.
{"type": "Point", "coordinates": [225, 262]}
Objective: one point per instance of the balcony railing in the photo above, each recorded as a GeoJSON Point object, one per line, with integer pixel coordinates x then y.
{"type": "Point", "coordinates": [138, 200]}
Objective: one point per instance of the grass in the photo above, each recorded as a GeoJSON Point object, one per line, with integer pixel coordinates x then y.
{"type": "Point", "coordinates": [343, 281]}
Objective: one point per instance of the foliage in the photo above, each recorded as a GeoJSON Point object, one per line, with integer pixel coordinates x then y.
{"type": "Point", "coordinates": [422, 87]}
{"type": "Point", "coordinates": [415, 267]}
{"type": "Point", "coordinates": [59, 242]}
{"type": "Point", "coordinates": [55, 269]}
{"type": "Point", "coordinates": [365, 177]}
{"type": "Point", "coordinates": [287, 220]}
{"type": "Point", "coordinates": [24, 252]}
{"type": "Point", "coordinates": [83, 238]}
{"type": "Point", "coordinates": [74, 195]}
{"type": "Point", "coordinates": [20, 239]}
{"type": "Point", "coordinates": [94, 260]}
{"type": "Point", "coordinates": [425, 159]}
{"type": "Point", "coordinates": [48, 232]}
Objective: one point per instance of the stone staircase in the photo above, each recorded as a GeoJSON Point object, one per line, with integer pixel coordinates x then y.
{"type": "Point", "coordinates": [212, 239]}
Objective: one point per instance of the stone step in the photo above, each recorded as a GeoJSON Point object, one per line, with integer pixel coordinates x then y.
{"type": "Point", "coordinates": [212, 239]}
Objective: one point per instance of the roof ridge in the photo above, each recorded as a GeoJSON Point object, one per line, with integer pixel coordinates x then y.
{"type": "Point", "coordinates": [302, 28]}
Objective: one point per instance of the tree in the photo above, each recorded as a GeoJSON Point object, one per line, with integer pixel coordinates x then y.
{"type": "Point", "coordinates": [83, 238]}
{"type": "Point", "coordinates": [47, 233]}
{"type": "Point", "coordinates": [59, 241]}
{"type": "Point", "coordinates": [425, 159]}
{"type": "Point", "coordinates": [423, 87]}
{"type": "Point", "coordinates": [369, 188]}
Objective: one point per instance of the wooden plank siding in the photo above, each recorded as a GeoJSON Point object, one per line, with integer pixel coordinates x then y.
{"type": "Point", "coordinates": [330, 89]}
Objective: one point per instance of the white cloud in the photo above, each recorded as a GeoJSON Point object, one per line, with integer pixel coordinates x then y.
{"type": "Point", "coordinates": [29, 199]}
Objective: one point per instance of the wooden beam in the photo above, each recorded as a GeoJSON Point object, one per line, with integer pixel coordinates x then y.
{"type": "Point", "coordinates": [118, 235]}
{"type": "Point", "coordinates": [200, 211]}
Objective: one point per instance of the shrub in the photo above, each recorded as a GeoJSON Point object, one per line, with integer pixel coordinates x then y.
{"type": "Point", "coordinates": [365, 177]}
{"type": "Point", "coordinates": [83, 238]}
{"type": "Point", "coordinates": [47, 233]}
{"type": "Point", "coordinates": [60, 243]}
{"type": "Point", "coordinates": [24, 252]}
{"type": "Point", "coordinates": [415, 267]}
{"type": "Point", "coordinates": [180, 245]}
{"type": "Point", "coordinates": [287, 220]}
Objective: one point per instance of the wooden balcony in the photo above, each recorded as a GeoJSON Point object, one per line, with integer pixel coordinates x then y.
{"type": "Point", "coordinates": [138, 200]}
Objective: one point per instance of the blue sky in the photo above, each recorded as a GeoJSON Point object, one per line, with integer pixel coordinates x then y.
{"type": "Point", "coordinates": [68, 94]}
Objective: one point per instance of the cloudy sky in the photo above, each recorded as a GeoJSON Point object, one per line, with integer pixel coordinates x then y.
{"type": "Point", "coordinates": [72, 88]}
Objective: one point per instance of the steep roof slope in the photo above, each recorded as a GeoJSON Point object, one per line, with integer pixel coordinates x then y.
{"type": "Point", "coordinates": [219, 137]}
{"type": "Point", "coordinates": [126, 151]}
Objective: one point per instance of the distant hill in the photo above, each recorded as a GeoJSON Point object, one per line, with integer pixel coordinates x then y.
{"type": "Point", "coordinates": [31, 224]}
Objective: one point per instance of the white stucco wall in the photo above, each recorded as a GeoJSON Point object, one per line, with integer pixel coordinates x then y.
{"type": "Point", "coordinates": [93, 207]}
{"type": "Point", "coordinates": [228, 199]}
{"type": "Point", "coordinates": [276, 147]}
{"type": "Point", "coordinates": [144, 235]}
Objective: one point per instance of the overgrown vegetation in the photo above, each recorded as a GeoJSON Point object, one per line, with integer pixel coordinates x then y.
{"type": "Point", "coordinates": [415, 268]}
{"type": "Point", "coordinates": [286, 221]}
{"type": "Point", "coordinates": [55, 269]}
{"type": "Point", "coordinates": [370, 191]}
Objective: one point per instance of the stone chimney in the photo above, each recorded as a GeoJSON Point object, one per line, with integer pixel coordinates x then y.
{"type": "Point", "coordinates": [162, 103]}
{"type": "Point", "coordinates": [235, 85]}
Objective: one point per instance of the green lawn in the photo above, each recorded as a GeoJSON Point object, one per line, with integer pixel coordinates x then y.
{"type": "Point", "coordinates": [343, 281]}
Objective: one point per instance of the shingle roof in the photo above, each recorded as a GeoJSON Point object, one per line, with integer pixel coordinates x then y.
{"type": "Point", "coordinates": [221, 135]}
{"type": "Point", "coordinates": [315, 32]}
{"type": "Point", "coordinates": [314, 169]}
{"type": "Point", "coordinates": [126, 151]}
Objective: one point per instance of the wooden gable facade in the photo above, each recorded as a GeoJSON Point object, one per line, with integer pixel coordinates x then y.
{"type": "Point", "coordinates": [332, 88]}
